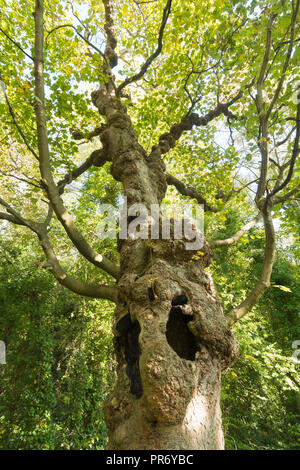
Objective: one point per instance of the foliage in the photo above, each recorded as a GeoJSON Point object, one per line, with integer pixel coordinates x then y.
{"type": "Point", "coordinates": [260, 394]}
{"type": "Point", "coordinates": [59, 359]}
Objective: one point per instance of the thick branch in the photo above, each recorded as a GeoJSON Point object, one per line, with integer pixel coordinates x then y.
{"type": "Point", "coordinates": [97, 158]}
{"type": "Point", "coordinates": [264, 281]}
{"type": "Point", "coordinates": [155, 54]}
{"type": "Point", "coordinates": [234, 238]}
{"type": "Point", "coordinates": [47, 179]}
{"type": "Point", "coordinates": [263, 69]}
{"type": "Point", "coordinates": [263, 118]}
{"type": "Point", "coordinates": [169, 139]}
{"type": "Point", "coordinates": [79, 287]}
{"type": "Point", "coordinates": [188, 191]}
{"type": "Point", "coordinates": [111, 41]}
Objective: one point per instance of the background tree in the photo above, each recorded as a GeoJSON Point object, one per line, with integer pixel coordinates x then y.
{"type": "Point", "coordinates": [189, 67]}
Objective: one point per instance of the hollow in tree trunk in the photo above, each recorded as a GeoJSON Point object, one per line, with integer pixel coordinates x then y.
{"type": "Point", "coordinates": [171, 338]}
{"type": "Point", "coordinates": [172, 343]}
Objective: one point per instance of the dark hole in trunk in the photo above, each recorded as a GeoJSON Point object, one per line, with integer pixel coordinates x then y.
{"type": "Point", "coordinates": [151, 294]}
{"type": "Point", "coordinates": [180, 299]}
{"type": "Point", "coordinates": [179, 337]}
{"type": "Point", "coordinates": [129, 341]}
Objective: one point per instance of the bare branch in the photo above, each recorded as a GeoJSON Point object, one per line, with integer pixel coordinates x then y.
{"type": "Point", "coordinates": [111, 41]}
{"type": "Point", "coordinates": [169, 139]}
{"type": "Point", "coordinates": [234, 238]}
{"type": "Point", "coordinates": [155, 54]}
{"type": "Point", "coordinates": [188, 191]}
{"type": "Point", "coordinates": [16, 44]}
{"type": "Point", "coordinates": [79, 287]}
{"type": "Point", "coordinates": [264, 281]}
{"type": "Point", "coordinates": [47, 179]}
{"type": "Point", "coordinates": [12, 113]}
{"type": "Point", "coordinates": [97, 158]}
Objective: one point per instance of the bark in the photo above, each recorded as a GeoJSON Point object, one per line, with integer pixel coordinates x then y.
{"type": "Point", "coordinates": [171, 338]}
{"type": "Point", "coordinates": [171, 344]}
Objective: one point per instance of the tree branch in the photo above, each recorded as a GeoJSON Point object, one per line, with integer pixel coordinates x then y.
{"type": "Point", "coordinates": [16, 218]}
{"type": "Point", "coordinates": [16, 44]}
{"type": "Point", "coordinates": [10, 218]}
{"type": "Point", "coordinates": [40, 229]}
{"type": "Point", "coordinates": [234, 238]}
{"type": "Point", "coordinates": [69, 25]}
{"type": "Point", "coordinates": [287, 58]}
{"type": "Point", "coordinates": [97, 158]}
{"type": "Point", "coordinates": [111, 41]}
{"type": "Point", "coordinates": [188, 191]}
{"type": "Point", "coordinates": [263, 117]}
{"type": "Point", "coordinates": [47, 179]}
{"type": "Point", "coordinates": [226, 197]}
{"type": "Point", "coordinates": [169, 139]}
{"type": "Point", "coordinates": [79, 287]}
{"type": "Point", "coordinates": [295, 153]}
{"type": "Point", "coordinates": [287, 196]}
{"type": "Point", "coordinates": [20, 179]}
{"type": "Point", "coordinates": [155, 54]}
{"type": "Point", "coordinates": [12, 113]}
{"type": "Point", "coordinates": [264, 281]}
{"type": "Point", "coordinates": [78, 135]}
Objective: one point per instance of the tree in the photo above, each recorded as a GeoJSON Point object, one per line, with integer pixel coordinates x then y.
{"type": "Point", "coordinates": [195, 71]}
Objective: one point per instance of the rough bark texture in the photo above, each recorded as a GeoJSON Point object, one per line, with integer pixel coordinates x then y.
{"type": "Point", "coordinates": [171, 344]}
{"type": "Point", "coordinates": [171, 338]}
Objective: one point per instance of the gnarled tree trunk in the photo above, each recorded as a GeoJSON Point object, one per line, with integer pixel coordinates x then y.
{"type": "Point", "coordinates": [171, 344]}
{"type": "Point", "coordinates": [171, 338]}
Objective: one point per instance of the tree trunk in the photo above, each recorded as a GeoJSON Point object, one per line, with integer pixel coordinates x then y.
{"type": "Point", "coordinates": [171, 344]}
{"type": "Point", "coordinates": [171, 338]}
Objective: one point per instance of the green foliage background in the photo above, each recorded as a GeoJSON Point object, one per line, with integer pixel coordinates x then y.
{"type": "Point", "coordinates": [59, 360]}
